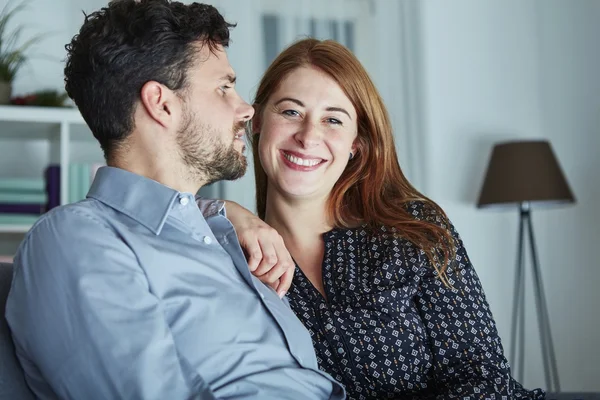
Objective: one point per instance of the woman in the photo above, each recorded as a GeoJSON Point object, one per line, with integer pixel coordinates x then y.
{"type": "Point", "coordinates": [382, 280]}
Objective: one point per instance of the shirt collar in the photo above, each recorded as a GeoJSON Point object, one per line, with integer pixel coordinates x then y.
{"type": "Point", "coordinates": [210, 207]}
{"type": "Point", "coordinates": [146, 201]}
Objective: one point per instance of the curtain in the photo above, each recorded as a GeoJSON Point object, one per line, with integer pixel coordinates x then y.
{"type": "Point", "coordinates": [332, 19]}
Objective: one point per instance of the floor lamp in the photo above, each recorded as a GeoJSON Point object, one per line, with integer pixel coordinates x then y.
{"type": "Point", "coordinates": [526, 174]}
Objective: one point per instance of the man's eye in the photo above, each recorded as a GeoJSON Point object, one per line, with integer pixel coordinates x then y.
{"type": "Point", "coordinates": [224, 88]}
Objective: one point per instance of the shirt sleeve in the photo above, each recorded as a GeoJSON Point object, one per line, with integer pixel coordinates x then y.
{"type": "Point", "coordinates": [468, 358]}
{"type": "Point", "coordinates": [85, 321]}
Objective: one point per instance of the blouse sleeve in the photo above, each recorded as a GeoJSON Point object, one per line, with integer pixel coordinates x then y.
{"type": "Point", "coordinates": [468, 359]}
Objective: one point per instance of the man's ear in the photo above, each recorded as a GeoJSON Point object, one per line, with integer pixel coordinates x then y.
{"type": "Point", "coordinates": [159, 102]}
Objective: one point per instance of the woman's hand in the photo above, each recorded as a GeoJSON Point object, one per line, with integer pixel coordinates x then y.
{"type": "Point", "coordinates": [268, 258]}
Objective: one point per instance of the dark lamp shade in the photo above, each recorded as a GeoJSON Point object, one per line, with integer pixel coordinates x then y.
{"type": "Point", "coordinates": [525, 171]}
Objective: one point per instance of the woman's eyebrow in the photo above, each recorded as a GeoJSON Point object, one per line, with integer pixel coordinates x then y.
{"type": "Point", "coordinates": [296, 101]}
{"type": "Point", "coordinates": [290, 99]}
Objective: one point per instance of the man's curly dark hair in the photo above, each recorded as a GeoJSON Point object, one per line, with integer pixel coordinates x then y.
{"type": "Point", "coordinates": [128, 43]}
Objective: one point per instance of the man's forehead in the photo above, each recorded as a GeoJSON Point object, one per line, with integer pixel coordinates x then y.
{"type": "Point", "coordinates": [215, 62]}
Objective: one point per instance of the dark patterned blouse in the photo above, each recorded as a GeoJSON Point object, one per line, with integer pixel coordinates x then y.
{"type": "Point", "coordinates": [390, 329]}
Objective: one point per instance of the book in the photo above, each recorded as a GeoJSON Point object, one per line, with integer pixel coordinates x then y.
{"type": "Point", "coordinates": [22, 185]}
{"type": "Point", "coordinates": [85, 180]}
{"type": "Point", "coordinates": [23, 198]}
{"type": "Point", "coordinates": [22, 208]}
{"type": "Point", "coordinates": [73, 183]}
{"type": "Point", "coordinates": [18, 219]}
{"type": "Point", "coordinates": [52, 178]}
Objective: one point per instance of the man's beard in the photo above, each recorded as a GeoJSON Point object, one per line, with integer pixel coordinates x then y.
{"type": "Point", "coordinates": [208, 158]}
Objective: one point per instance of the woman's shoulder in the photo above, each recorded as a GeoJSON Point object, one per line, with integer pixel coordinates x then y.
{"type": "Point", "coordinates": [419, 214]}
{"type": "Point", "coordinates": [418, 210]}
{"type": "Point", "coordinates": [423, 210]}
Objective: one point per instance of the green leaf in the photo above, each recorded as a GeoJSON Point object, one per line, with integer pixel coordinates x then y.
{"type": "Point", "coordinates": [12, 57]}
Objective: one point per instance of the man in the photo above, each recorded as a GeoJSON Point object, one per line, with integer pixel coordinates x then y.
{"type": "Point", "coordinates": [137, 292]}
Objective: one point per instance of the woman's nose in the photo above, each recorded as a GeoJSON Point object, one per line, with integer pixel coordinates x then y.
{"type": "Point", "coordinates": [309, 135]}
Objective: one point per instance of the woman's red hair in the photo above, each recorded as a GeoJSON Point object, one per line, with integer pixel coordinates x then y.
{"type": "Point", "coordinates": [373, 189]}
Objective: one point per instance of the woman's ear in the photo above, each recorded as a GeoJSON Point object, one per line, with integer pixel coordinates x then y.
{"type": "Point", "coordinates": [255, 123]}
{"type": "Point", "coordinates": [355, 147]}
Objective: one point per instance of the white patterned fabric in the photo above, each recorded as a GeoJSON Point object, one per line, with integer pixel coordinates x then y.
{"type": "Point", "coordinates": [390, 329]}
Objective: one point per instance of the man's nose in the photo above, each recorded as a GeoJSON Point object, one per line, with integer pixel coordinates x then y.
{"type": "Point", "coordinates": [245, 111]}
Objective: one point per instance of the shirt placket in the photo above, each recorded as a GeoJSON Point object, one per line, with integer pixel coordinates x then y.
{"type": "Point", "coordinates": [333, 324]}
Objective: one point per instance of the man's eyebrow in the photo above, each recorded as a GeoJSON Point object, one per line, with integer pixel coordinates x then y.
{"type": "Point", "coordinates": [231, 78]}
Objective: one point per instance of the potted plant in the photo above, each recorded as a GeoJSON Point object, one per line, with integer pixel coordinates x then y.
{"type": "Point", "coordinates": [12, 55]}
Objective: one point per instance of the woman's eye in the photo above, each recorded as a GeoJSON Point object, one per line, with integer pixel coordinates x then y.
{"type": "Point", "coordinates": [290, 113]}
{"type": "Point", "coordinates": [334, 121]}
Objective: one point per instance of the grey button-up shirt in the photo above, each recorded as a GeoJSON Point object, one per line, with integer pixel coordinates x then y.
{"type": "Point", "coordinates": [138, 292]}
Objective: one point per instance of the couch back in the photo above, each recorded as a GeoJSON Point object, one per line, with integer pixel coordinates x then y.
{"type": "Point", "coordinates": [12, 380]}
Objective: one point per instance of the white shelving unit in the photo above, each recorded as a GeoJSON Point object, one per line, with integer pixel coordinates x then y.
{"type": "Point", "coordinates": [59, 126]}
{"type": "Point", "coordinates": [14, 228]}
{"type": "Point", "coordinates": [49, 115]}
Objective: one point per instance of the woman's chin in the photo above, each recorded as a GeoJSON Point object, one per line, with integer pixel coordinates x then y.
{"type": "Point", "coordinates": [307, 193]}
{"type": "Point", "coordinates": [298, 190]}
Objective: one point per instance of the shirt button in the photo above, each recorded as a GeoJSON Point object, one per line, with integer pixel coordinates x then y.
{"type": "Point", "coordinates": [183, 201]}
{"type": "Point", "coordinates": [207, 240]}
{"type": "Point", "coordinates": [340, 350]}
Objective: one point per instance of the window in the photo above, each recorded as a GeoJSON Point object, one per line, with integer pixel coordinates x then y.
{"type": "Point", "coordinates": [332, 19]}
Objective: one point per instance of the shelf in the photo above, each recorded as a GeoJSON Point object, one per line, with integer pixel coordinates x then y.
{"type": "Point", "coordinates": [15, 228]}
{"type": "Point", "coordinates": [41, 114]}
{"type": "Point", "coordinates": [42, 123]}
{"type": "Point", "coordinates": [57, 132]}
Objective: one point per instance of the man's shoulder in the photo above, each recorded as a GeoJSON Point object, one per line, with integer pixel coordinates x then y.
{"type": "Point", "coordinates": [65, 235]}
{"type": "Point", "coordinates": [68, 226]}
{"type": "Point", "coordinates": [71, 220]}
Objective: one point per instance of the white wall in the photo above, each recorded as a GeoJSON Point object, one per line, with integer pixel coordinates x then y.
{"type": "Point", "coordinates": [502, 70]}
{"type": "Point", "coordinates": [44, 70]}
{"type": "Point", "coordinates": [570, 107]}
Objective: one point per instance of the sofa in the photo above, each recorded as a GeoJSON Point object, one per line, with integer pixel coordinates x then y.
{"type": "Point", "coordinates": [12, 380]}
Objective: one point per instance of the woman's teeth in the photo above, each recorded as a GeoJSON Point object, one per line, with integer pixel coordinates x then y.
{"type": "Point", "coordinates": [300, 161]}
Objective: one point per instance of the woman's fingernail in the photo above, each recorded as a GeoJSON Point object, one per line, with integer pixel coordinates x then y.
{"type": "Point", "coordinates": [281, 294]}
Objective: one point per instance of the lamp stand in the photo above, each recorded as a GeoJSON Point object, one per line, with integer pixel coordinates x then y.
{"type": "Point", "coordinates": [518, 313]}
